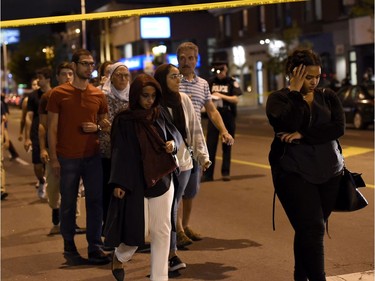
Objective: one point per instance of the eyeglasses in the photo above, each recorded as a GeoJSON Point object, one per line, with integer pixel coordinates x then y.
{"type": "Point", "coordinates": [86, 63]}
{"type": "Point", "coordinates": [175, 76]}
{"type": "Point", "coordinates": [121, 75]}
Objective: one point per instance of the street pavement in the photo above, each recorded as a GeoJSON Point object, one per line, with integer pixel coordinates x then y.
{"type": "Point", "coordinates": [29, 253]}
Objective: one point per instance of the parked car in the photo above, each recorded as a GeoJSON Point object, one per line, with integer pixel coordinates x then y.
{"type": "Point", "coordinates": [358, 104]}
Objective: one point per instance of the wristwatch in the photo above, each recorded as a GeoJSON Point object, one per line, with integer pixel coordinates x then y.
{"type": "Point", "coordinates": [99, 128]}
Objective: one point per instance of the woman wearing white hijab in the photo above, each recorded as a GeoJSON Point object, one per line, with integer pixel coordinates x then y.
{"type": "Point", "coordinates": [116, 90]}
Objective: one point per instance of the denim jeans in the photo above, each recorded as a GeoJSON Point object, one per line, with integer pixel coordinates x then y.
{"type": "Point", "coordinates": [90, 169]}
{"type": "Point", "coordinates": [183, 179]}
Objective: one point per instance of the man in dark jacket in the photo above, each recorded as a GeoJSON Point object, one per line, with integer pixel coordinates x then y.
{"type": "Point", "coordinates": [225, 91]}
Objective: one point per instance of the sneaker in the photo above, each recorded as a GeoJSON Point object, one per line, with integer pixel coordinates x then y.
{"type": "Point", "coordinates": [175, 264]}
{"type": "Point", "coordinates": [38, 183]}
{"type": "Point", "coordinates": [54, 230]}
{"type": "Point", "coordinates": [206, 178]}
{"type": "Point", "coordinates": [71, 255]}
{"type": "Point", "coordinates": [4, 195]}
{"type": "Point", "coordinates": [20, 161]}
{"type": "Point", "coordinates": [42, 191]}
{"type": "Point", "coordinates": [98, 257]}
{"type": "Point", "coordinates": [226, 178]}
{"type": "Point", "coordinates": [183, 240]}
{"type": "Point", "coordinates": [192, 235]}
{"type": "Point", "coordinates": [80, 230]}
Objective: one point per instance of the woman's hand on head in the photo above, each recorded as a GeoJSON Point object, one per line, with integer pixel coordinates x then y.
{"type": "Point", "coordinates": [297, 78]}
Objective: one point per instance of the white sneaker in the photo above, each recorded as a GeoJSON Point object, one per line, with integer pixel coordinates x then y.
{"type": "Point", "coordinates": [21, 161]}
{"type": "Point", "coordinates": [37, 183]}
{"type": "Point", "coordinates": [42, 191]}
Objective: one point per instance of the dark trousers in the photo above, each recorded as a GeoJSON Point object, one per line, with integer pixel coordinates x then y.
{"type": "Point", "coordinates": [212, 142]}
{"type": "Point", "coordinates": [107, 188]}
{"type": "Point", "coordinates": [308, 207]}
{"type": "Point", "coordinates": [90, 169]}
{"type": "Point", "coordinates": [13, 152]}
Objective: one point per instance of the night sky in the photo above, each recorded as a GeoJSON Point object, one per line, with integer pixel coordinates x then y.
{"type": "Point", "coordinates": [21, 9]}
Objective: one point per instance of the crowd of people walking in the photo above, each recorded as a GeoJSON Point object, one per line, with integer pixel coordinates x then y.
{"type": "Point", "coordinates": [134, 147]}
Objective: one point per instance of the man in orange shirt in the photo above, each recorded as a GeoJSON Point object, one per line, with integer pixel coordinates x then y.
{"type": "Point", "coordinates": [77, 111]}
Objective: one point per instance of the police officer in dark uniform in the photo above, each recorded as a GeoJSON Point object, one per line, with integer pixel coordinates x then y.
{"type": "Point", "coordinates": [225, 91]}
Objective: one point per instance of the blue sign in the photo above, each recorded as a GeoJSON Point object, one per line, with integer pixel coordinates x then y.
{"type": "Point", "coordinates": [9, 36]}
{"type": "Point", "coordinates": [139, 62]}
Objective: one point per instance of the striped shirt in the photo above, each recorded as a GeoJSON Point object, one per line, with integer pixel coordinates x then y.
{"type": "Point", "coordinates": [199, 92]}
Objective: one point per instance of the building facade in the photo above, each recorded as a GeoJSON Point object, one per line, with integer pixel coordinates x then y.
{"type": "Point", "coordinates": [255, 40]}
{"type": "Point", "coordinates": [265, 34]}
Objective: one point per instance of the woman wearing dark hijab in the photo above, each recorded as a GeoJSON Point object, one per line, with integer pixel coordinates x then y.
{"type": "Point", "coordinates": [143, 144]}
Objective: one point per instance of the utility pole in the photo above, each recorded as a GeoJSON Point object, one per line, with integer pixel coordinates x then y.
{"type": "Point", "coordinates": [5, 61]}
{"type": "Point", "coordinates": [83, 11]}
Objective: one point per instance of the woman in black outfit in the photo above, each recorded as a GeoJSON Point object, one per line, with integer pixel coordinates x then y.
{"type": "Point", "coordinates": [143, 142]}
{"type": "Point", "coordinates": [305, 159]}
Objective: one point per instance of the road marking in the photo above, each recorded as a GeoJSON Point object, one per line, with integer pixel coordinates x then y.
{"type": "Point", "coordinates": [347, 151]}
{"type": "Point", "coordinates": [355, 150]}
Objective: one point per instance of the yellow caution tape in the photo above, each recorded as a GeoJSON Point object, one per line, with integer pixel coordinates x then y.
{"type": "Point", "coordinates": [139, 12]}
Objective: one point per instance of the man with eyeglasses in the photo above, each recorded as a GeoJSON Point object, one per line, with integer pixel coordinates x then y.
{"type": "Point", "coordinates": [77, 111]}
{"type": "Point", "coordinates": [198, 90]}
{"type": "Point", "coordinates": [64, 74]}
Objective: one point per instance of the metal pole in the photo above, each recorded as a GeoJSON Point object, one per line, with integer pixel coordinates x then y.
{"type": "Point", "coordinates": [107, 40]}
{"type": "Point", "coordinates": [83, 11]}
{"type": "Point", "coordinates": [5, 54]}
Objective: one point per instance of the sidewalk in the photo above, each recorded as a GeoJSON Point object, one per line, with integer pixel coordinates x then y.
{"type": "Point", "coordinates": [360, 276]}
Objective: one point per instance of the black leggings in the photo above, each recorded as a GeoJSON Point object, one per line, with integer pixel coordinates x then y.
{"type": "Point", "coordinates": [308, 207]}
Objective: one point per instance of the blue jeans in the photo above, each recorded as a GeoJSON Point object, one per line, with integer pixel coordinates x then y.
{"type": "Point", "coordinates": [183, 179]}
{"type": "Point", "coordinates": [90, 170]}
{"type": "Point", "coordinates": [193, 185]}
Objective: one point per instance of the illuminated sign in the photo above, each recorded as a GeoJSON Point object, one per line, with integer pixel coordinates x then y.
{"type": "Point", "coordinates": [9, 36]}
{"type": "Point", "coordinates": [155, 27]}
{"type": "Point", "coordinates": [139, 62]}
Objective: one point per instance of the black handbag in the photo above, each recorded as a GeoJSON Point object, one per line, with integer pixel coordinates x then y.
{"type": "Point", "coordinates": [349, 198]}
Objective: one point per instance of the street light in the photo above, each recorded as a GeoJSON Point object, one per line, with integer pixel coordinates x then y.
{"type": "Point", "coordinates": [159, 53]}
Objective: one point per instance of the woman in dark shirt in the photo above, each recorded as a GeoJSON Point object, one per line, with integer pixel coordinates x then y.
{"type": "Point", "coordinates": [143, 142]}
{"type": "Point", "coordinates": [305, 159]}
